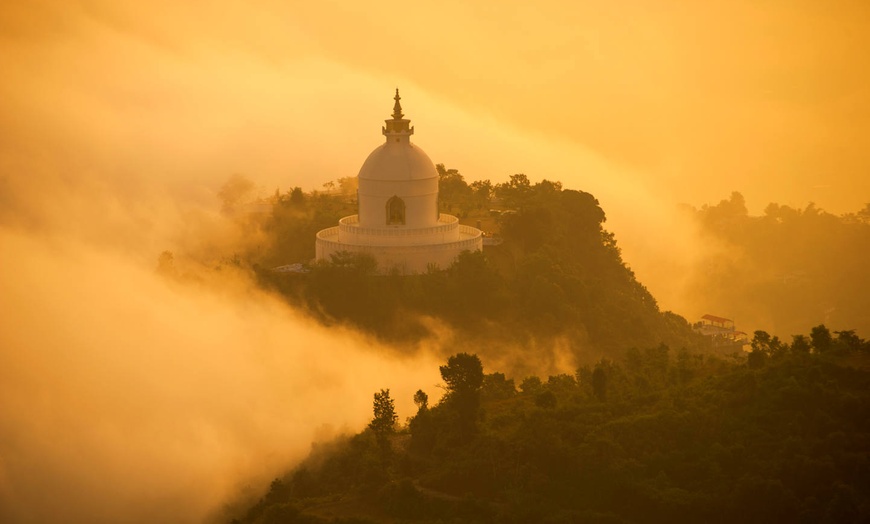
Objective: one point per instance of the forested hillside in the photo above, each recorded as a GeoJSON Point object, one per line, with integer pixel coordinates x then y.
{"type": "Point", "coordinates": [786, 268]}
{"type": "Point", "coordinates": [557, 277]}
{"type": "Point", "coordinates": [651, 427]}
{"type": "Point", "coordinates": [654, 436]}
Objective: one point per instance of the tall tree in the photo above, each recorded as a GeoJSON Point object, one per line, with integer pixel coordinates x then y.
{"type": "Point", "coordinates": [384, 422]}
{"type": "Point", "coordinates": [464, 377]}
{"type": "Point", "coordinates": [821, 338]}
{"type": "Point", "coordinates": [421, 399]}
{"type": "Point", "coordinates": [463, 374]}
{"type": "Point", "coordinates": [453, 191]}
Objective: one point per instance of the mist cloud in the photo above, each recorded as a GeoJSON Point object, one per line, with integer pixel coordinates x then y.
{"type": "Point", "coordinates": [128, 399]}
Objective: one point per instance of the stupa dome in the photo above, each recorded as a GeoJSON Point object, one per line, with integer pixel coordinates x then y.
{"type": "Point", "coordinates": [397, 161]}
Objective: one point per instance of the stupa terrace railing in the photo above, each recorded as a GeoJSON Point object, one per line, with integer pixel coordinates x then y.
{"type": "Point", "coordinates": [350, 225]}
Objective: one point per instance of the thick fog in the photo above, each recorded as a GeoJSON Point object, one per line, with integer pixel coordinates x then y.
{"type": "Point", "coordinates": [127, 397]}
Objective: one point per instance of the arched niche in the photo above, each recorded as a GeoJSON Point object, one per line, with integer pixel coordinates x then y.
{"type": "Point", "coordinates": [395, 211]}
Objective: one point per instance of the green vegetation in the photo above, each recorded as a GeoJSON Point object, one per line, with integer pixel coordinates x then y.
{"type": "Point", "coordinates": [652, 436]}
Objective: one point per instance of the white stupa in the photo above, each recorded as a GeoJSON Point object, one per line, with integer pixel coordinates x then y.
{"type": "Point", "coordinates": [398, 222]}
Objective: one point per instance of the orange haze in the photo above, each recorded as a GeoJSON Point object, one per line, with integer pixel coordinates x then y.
{"type": "Point", "coordinates": [126, 399]}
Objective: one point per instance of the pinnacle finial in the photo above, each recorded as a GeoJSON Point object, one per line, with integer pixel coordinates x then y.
{"type": "Point", "coordinates": [397, 126]}
{"type": "Point", "coordinates": [397, 107]}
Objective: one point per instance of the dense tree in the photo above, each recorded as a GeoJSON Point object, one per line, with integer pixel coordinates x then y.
{"type": "Point", "coordinates": [531, 385]}
{"type": "Point", "coordinates": [481, 193]}
{"type": "Point", "coordinates": [454, 194]}
{"type": "Point", "coordinates": [463, 375]}
{"type": "Point", "coordinates": [421, 399]}
{"type": "Point", "coordinates": [384, 421]}
{"type": "Point", "coordinates": [848, 340]}
{"type": "Point", "coordinates": [800, 345]}
{"type": "Point", "coordinates": [763, 345]}
{"type": "Point", "coordinates": [515, 192]}
{"type": "Point", "coordinates": [297, 197]}
{"type": "Point", "coordinates": [756, 359]}
{"type": "Point", "coordinates": [497, 386]}
{"type": "Point", "coordinates": [821, 338]}
{"type": "Point", "coordinates": [761, 341]}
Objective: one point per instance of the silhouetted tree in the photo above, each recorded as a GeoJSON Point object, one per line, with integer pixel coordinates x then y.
{"type": "Point", "coordinates": [297, 197]}
{"type": "Point", "coordinates": [800, 345]}
{"type": "Point", "coordinates": [531, 385]}
{"type": "Point", "coordinates": [821, 338]}
{"type": "Point", "coordinates": [760, 344]}
{"type": "Point", "coordinates": [421, 399]}
{"type": "Point", "coordinates": [463, 374]}
{"type": "Point", "coordinates": [770, 346]}
{"type": "Point", "coordinates": [464, 377]}
{"type": "Point", "coordinates": [422, 426]}
{"type": "Point", "coordinates": [497, 386]}
{"type": "Point", "coordinates": [760, 341]}
{"type": "Point", "coordinates": [453, 191]}
{"type": "Point", "coordinates": [384, 422]}
{"type": "Point", "coordinates": [849, 340]}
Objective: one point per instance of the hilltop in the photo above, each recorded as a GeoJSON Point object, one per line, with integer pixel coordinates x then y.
{"type": "Point", "coordinates": [556, 280]}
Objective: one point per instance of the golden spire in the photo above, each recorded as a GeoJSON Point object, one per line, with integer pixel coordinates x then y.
{"type": "Point", "coordinates": [398, 126]}
{"type": "Point", "coordinates": [397, 107]}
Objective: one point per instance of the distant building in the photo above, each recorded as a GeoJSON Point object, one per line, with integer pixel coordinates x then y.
{"type": "Point", "coordinates": [398, 223]}
{"type": "Point", "coordinates": [721, 331]}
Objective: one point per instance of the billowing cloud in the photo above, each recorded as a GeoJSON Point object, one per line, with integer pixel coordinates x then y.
{"type": "Point", "coordinates": [127, 398]}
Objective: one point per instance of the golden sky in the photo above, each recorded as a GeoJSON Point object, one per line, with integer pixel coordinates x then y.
{"type": "Point", "coordinates": [694, 99]}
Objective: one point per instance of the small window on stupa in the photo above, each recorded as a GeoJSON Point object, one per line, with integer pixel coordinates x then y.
{"type": "Point", "coordinates": [395, 212]}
